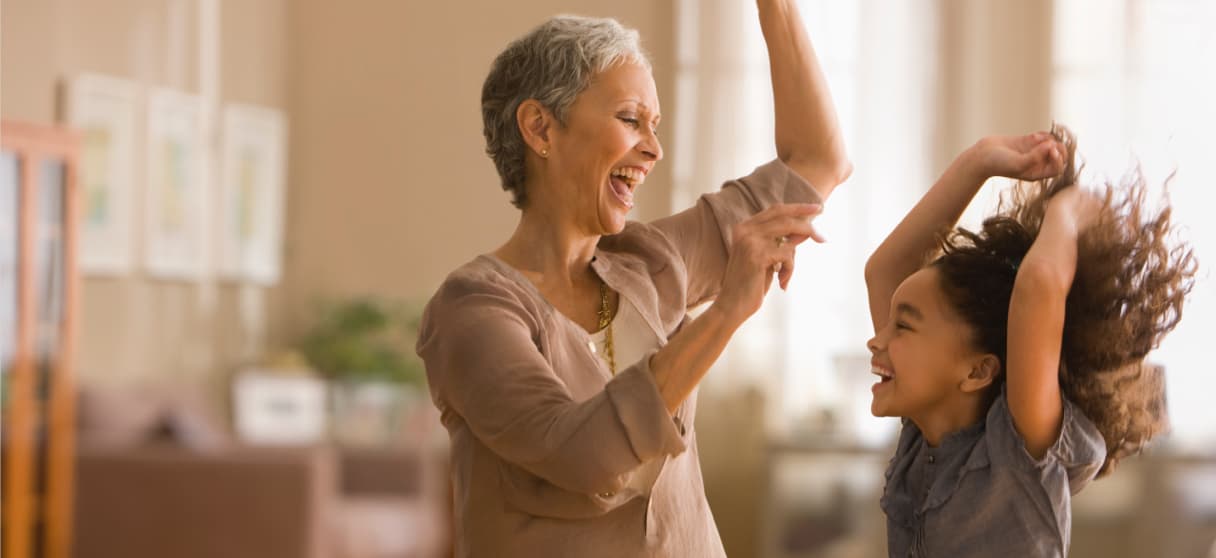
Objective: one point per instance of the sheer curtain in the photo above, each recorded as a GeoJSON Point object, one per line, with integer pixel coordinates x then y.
{"type": "Point", "coordinates": [1136, 80]}
{"type": "Point", "coordinates": [806, 348]}
{"type": "Point", "coordinates": [914, 82]}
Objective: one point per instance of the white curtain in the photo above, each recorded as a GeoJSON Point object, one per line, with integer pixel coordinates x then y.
{"type": "Point", "coordinates": [1136, 80]}
{"type": "Point", "coordinates": [806, 349]}
{"type": "Point", "coordinates": [916, 81]}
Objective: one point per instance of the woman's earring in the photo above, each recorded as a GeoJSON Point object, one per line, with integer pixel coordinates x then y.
{"type": "Point", "coordinates": [544, 152]}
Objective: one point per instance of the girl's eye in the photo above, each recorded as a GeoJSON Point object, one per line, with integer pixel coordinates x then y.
{"type": "Point", "coordinates": [901, 326]}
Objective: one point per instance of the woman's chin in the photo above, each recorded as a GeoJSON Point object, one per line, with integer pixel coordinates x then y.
{"type": "Point", "coordinates": [614, 220]}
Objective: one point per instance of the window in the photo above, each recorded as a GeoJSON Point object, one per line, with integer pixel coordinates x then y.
{"type": "Point", "coordinates": [1135, 81]}
{"type": "Point", "coordinates": [806, 348]}
{"type": "Point", "coordinates": [1133, 78]}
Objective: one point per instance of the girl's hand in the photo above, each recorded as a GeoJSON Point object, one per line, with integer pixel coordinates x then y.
{"type": "Point", "coordinates": [1030, 157]}
{"type": "Point", "coordinates": [1075, 205]}
{"type": "Point", "coordinates": [761, 246]}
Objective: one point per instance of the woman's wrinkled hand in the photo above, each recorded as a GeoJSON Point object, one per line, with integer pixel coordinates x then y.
{"type": "Point", "coordinates": [762, 246]}
{"type": "Point", "coordinates": [1030, 157]}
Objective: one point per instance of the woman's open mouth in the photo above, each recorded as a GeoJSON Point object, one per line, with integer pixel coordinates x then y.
{"type": "Point", "coordinates": [623, 181]}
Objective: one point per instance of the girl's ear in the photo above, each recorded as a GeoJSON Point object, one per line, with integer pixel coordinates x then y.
{"type": "Point", "coordinates": [984, 371]}
{"type": "Point", "coordinates": [534, 122]}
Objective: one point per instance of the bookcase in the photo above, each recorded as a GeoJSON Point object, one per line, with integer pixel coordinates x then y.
{"type": "Point", "coordinates": [39, 287]}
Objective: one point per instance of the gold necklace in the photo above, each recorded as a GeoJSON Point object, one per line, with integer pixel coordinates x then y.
{"type": "Point", "coordinates": [606, 322]}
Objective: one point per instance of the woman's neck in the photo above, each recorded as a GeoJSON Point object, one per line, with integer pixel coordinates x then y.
{"type": "Point", "coordinates": [549, 248]}
{"type": "Point", "coordinates": [556, 258]}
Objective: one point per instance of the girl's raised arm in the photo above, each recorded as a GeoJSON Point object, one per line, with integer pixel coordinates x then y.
{"type": "Point", "coordinates": [1029, 157]}
{"type": "Point", "coordinates": [1036, 319]}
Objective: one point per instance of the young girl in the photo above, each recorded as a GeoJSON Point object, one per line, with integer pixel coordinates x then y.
{"type": "Point", "coordinates": [1016, 357]}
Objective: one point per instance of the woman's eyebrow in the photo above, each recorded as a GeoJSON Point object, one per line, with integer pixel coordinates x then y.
{"type": "Point", "coordinates": [643, 107]}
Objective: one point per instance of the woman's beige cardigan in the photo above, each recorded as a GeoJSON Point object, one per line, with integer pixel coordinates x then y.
{"type": "Point", "coordinates": [543, 437]}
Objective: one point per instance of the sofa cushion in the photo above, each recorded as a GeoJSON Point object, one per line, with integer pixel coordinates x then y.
{"type": "Point", "coordinates": [128, 416]}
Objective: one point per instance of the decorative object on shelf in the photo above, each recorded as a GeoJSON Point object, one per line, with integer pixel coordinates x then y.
{"type": "Point", "coordinates": [365, 347]}
{"type": "Point", "coordinates": [279, 406]}
{"type": "Point", "coordinates": [365, 339]}
{"type": "Point", "coordinates": [251, 193]}
{"type": "Point", "coordinates": [103, 110]}
{"type": "Point", "coordinates": [372, 414]}
{"type": "Point", "coordinates": [176, 200]}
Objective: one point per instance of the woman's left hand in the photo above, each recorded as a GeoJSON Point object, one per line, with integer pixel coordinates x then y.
{"type": "Point", "coordinates": [761, 246]}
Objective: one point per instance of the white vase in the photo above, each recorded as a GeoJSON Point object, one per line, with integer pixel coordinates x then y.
{"type": "Point", "coordinates": [370, 413]}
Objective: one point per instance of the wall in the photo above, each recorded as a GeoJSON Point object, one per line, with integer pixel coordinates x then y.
{"type": "Point", "coordinates": [388, 187]}
{"type": "Point", "coordinates": [134, 328]}
{"type": "Point", "coordinates": [996, 61]}
{"type": "Point", "coordinates": [392, 189]}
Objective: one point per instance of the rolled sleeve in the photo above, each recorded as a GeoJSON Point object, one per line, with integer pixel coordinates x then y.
{"type": "Point", "coordinates": [770, 184]}
{"type": "Point", "coordinates": [701, 234]}
{"type": "Point", "coordinates": [484, 365]}
{"type": "Point", "coordinates": [643, 414]}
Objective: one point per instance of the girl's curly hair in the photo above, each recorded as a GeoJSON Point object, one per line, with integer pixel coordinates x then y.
{"type": "Point", "coordinates": [1131, 281]}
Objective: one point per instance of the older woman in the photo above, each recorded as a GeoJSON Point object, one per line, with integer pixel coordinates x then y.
{"type": "Point", "coordinates": [564, 363]}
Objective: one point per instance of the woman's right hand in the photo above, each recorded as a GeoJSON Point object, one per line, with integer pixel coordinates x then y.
{"type": "Point", "coordinates": [761, 246]}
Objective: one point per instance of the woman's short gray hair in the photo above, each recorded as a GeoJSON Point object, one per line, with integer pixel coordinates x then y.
{"type": "Point", "coordinates": [553, 63]}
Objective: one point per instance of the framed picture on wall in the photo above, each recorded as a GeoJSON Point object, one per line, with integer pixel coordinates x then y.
{"type": "Point", "coordinates": [175, 201]}
{"type": "Point", "coordinates": [250, 212]}
{"type": "Point", "coordinates": [103, 109]}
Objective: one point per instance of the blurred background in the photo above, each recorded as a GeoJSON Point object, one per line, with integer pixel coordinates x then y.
{"type": "Point", "coordinates": [209, 287]}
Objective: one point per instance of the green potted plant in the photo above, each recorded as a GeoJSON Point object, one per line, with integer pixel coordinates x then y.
{"type": "Point", "coordinates": [364, 346]}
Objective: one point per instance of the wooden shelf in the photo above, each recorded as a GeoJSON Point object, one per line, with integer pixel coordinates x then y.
{"type": "Point", "coordinates": [39, 424]}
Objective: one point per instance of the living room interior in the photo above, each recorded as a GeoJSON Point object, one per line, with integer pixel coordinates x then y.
{"type": "Point", "coordinates": [206, 328]}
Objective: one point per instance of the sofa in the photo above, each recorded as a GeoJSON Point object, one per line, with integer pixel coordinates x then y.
{"type": "Point", "coordinates": [158, 475]}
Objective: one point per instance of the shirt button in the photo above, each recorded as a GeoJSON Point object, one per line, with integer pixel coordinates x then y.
{"type": "Point", "coordinates": [932, 459]}
{"type": "Point", "coordinates": [591, 345]}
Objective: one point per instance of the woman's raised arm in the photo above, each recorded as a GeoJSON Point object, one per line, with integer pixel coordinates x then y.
{"type": "Point", "coordinates": [807, 132]}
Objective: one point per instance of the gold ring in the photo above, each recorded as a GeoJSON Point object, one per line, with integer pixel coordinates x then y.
{"type": "Point", "coordinates": [781, 240]}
